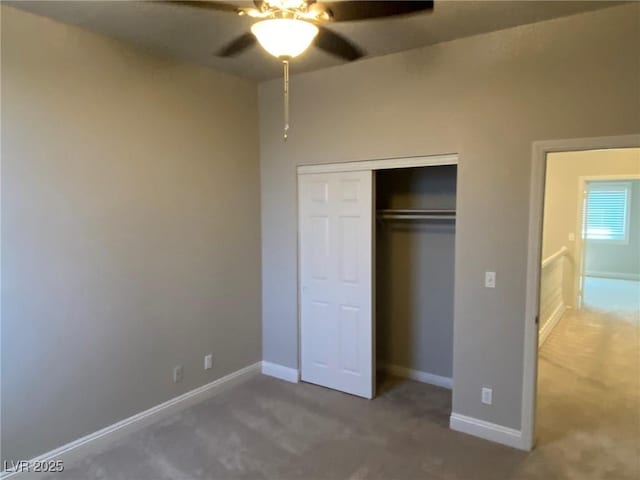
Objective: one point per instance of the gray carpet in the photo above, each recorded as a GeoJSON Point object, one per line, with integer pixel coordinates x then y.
{"type": "Point", "coordinates": [269, 429]}
{"type": "Point", "coordinates": [589, 396]}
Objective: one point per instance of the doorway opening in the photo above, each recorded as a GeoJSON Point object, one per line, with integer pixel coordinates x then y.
{"type": "Point", "coordinates": [414, 295]}
{"type": "Point", "coordinates": [588, 382]}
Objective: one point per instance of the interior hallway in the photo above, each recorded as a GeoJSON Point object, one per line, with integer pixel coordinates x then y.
{"type": "Point", "coordinates": [589, 396]}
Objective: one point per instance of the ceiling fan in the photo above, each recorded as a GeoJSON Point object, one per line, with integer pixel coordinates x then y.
{"type": "Point", "coordinates": [286, 28]}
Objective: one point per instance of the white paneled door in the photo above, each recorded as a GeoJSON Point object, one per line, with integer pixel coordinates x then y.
{"type": "Point", "coordinates": [336, 247]}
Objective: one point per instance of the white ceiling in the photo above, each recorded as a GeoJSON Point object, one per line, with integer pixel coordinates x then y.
{"type": "Point", "coordinates": [193, 34]}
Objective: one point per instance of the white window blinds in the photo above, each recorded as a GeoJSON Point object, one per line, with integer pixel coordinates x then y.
{"type": "Point", "coordinates": [607, 211]}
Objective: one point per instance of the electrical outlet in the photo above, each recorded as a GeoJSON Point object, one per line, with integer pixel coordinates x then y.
{"type": "Point", "coordinates": [490, 279]}
{"type": "Point", "coordinates": [487, 396]}
{"type": "Point", "coordinates": [208, 361]}
{"type": "Point", "coordinates": [177, 374]}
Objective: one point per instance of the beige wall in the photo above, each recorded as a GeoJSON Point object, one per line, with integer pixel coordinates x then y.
{"type": "Point", "coordinates": [130, 230]}
{"type": "Point", "coordinates": [487, 98]}
{"type": "Point", "coordinates": [561, 204]}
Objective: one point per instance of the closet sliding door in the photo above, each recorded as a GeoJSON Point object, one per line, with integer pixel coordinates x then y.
{"type": "Point", "coordinates": [336, 257]}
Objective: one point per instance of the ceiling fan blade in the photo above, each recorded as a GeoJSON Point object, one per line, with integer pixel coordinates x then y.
{"type": "Point", "coordinates": [237, 46]}
{"type": "Point", "coordinates": [337, 45]}
{"type": "Point", "coordinates": [347, 11]}
{"type": "Point", "coordinates": [205, 5]}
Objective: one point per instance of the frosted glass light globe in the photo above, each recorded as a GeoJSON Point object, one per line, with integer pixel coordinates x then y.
{"type": "Point", "coordinates": [284, 37]}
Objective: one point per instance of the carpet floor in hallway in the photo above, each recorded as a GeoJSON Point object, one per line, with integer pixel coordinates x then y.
{"type": "Point", "coordinates": [588, 422]}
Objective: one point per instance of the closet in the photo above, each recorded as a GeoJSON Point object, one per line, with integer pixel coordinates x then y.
{"type": "Point", "coordinates": [415, 257]}
{"type": "Point", "coordinates": [376, 245]}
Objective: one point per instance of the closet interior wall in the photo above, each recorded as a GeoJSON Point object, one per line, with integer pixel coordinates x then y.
{"type": "Point", "coordinates": [415, 271]}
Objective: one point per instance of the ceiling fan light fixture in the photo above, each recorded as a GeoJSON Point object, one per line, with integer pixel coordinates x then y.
{"type": "Point", "coordinates": [284, 38]}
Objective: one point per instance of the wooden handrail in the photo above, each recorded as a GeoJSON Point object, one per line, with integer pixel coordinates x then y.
{"type": "Point", "coordinates": [552, 258]}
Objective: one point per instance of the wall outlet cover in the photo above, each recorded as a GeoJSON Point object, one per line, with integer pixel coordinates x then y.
{"type": "Point", "coordinates": [177, 374]}
{"type": "Point", "coordinates": [208, 361]}
{"type": "Point", "coordinates": [487, 396]}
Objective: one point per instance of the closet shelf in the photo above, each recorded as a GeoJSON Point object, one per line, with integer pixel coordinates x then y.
{"type": "Point", "coordinates": [416, 214]}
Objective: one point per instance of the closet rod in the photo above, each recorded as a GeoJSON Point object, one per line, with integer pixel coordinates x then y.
{"type": "Point", "coordinates": [417, 214]}
{"type": "Point", "coordinates": [415, 211]}
{"type": "Point", "coordinates": [388, 216]}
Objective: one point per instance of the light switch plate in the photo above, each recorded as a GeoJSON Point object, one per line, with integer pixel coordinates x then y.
{"type": "Point", "coordinates": [490, 279]}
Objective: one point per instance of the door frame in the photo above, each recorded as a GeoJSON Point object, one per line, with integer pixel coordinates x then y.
{"type": "Point", "coordinates": [352, 166]}
{"type": "Point", "coordinates": [540, 149]}
{"type": "Point", "coordinates": [580, 251]}
{"type": "Point", "coordinates": [380, 164]}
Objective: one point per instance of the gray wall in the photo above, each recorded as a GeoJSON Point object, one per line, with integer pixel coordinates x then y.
{"type": "Point", "coordinates": [130, 230]}
{"type": "Point", "coordinates": [487, 98]}
{"type": "Point", "coordinates": [415, 263]}
{"type": "Point", "coordinates": [623, 259]}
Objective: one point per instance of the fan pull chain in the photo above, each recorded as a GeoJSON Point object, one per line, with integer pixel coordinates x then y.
{"type": "Point", "coordinates": [286, 99]}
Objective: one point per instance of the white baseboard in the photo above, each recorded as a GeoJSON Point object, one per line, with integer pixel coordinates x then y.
{"type": "Point", "coordinates": [99, 440]}
{"type": "Point", "coordinates": [487, 430]}
{"type": "Point", "coordinates": [280, 371]}
{"type": "Point", "coordinates": [418, 375]}
{"type": "Point", "coordinates": [615, 275]}
{"type": "Point", "coordinates": [550, 324]}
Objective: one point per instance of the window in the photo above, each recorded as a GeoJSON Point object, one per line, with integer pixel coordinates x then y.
{"type": "Point", "coordinates": [607, 211]}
